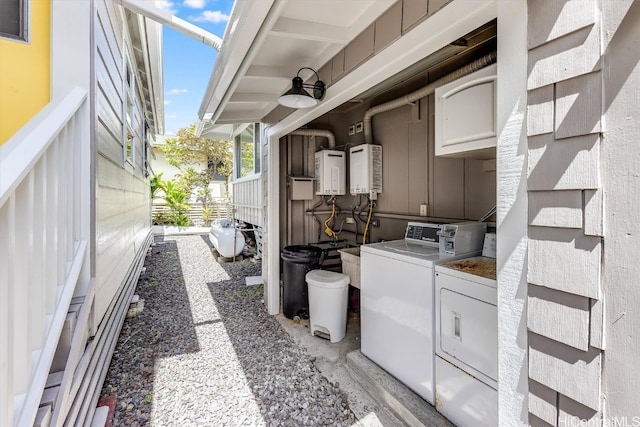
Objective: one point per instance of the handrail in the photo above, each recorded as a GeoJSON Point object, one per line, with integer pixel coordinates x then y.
{"type": "Point", "coordinates": [24, 149]}
{"type": "Point", "coordinates": [44, 246]}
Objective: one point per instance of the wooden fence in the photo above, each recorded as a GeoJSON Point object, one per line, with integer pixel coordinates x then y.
{"type": "Point", "coordinates": [221, 210]}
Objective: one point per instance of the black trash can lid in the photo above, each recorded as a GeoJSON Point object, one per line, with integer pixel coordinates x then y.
{"type": "Point", "coordinates": [301, 254]}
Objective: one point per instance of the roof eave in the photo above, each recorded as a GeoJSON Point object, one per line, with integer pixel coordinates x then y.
{"type": "Point", "coordinates": [248, 26]}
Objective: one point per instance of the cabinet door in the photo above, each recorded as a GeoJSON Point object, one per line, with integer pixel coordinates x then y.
{"type": "Point", "coordinates": [466, 115]}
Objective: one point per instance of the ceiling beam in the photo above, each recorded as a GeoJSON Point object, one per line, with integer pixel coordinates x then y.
{"type": "Point", "coordinates": [253, 97]}
{"type": "Point", "coordinates": [247, 116]}
{"type": "Point", "coordinates": [309, 30]}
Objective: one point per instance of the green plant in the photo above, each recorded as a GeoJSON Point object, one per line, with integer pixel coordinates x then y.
{"type": "Point", "coordinates": [176, 199]}
{"type": "Point", "coordinates": [162, 218]}
{"type": "Point", "coordinates": [181, 220]}
{"type": "Point", "coordinates": [206, 216]}
{"type": "Point", "coordinates": [157, 184]}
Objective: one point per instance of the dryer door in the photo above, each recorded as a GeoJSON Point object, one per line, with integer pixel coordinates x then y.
{"type": "Point", "coordinates": [468, 330]}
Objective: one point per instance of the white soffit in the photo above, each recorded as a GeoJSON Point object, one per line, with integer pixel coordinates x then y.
{"type": "Point", "coordinates": [265, 44]}
{"type": "Point", "coordinates": [146, 40]}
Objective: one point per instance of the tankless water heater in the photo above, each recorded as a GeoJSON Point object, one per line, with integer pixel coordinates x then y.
{"type": "Point", "coordinates": [365, 163]}
{"type": "Point", "coordinates": [330, 173]}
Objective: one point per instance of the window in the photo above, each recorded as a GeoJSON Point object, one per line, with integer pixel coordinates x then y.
{"type": "Point", "coordinates": [14, 19]}
{"type": "Point", "coordinates": [247, 151]}
{"type": "Point", "coordinates": [129, 147]}
{"type": "Point", "coordinates": [145, 149]}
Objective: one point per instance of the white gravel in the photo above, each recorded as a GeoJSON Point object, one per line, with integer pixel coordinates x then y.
{"type": "Point", "coordinates": [204, 351]}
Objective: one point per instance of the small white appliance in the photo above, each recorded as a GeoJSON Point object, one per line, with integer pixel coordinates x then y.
{"type": "Point", "coordinates": [365, 169]}
{"type": "Point", "coordinates": [466, 366]}
{"type": "Point", "coordinates": [330, 173]}
{"type": "Point", "coordinates": [462, 237]}
{"type": "Point", "coordinates": [397, 305]}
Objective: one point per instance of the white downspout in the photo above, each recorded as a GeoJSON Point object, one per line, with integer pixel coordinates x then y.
{"type": "Point", "coordinates": [156, 14]}
{"type": "Point", "coordinates": [317, 132]}
{"type": "Point", "coordinates": [422, 92]}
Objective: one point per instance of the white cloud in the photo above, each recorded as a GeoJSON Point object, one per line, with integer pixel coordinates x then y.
{"type": "Point", "coordinates": [168, 6]}
{"type": "Point", "coordinates": [176, 91]}
{"type": "Point", "coordinates": [215, 16]}
{"type": "Point", "coordinates": [194, 4]}
{"type": "Point", "coordinates": [167, 102]}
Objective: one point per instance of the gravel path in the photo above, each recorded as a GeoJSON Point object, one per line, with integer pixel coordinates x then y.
{"type": "Point", "coordinates": [204, 351]}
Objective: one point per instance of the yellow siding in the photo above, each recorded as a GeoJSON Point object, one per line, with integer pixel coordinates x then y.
{"type": "Point", "coordinates": [25, 72]}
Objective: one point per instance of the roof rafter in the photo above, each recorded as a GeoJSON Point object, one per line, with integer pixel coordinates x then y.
{"type": "Point", "coordinates": [253, 97]}
{"type": "Point", "coordinates": [309, 30]}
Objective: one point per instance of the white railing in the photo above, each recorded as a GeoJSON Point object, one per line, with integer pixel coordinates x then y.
{"type": "Point", "coordinates": [247, 200]}
{"type": "Point", "coordinates": [42, 247]}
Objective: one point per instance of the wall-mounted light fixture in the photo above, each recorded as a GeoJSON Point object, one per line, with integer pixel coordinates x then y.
{"type": "Point", "coordinates": [298, 97]}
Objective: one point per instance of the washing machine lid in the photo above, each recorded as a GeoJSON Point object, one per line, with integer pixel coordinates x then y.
{"type": "Point", "coordinates": [406, 247]}
{"type": "Point", "coordinates": [326, 279]}
{"type": "Point", "coordinates": [404, 250]}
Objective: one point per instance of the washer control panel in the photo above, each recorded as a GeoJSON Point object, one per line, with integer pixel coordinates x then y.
{"type": "Point", "coordinates": [423, 232]}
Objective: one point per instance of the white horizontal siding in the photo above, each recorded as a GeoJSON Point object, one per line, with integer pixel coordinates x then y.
{"type": "Point", "coordinates": [572, 163]}
{"type": "Point", "coordinates": [571, 372]}
{"type": "Point", "coordinates": [566, 205]}
{"type": "Point", "coordinates": [559, 316]}
{"type": "Point", "coordinates": [542, 402]}
{"type": "Point", "coordinates": [566, 260]}
{"type": "Point", "coordinates": [122, 192]}
{"type": "Point", "coordinates": [555, 208]}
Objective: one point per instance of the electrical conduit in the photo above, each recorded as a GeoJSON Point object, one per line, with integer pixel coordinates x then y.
{"type": "Point", "coordinates": [412, 97]}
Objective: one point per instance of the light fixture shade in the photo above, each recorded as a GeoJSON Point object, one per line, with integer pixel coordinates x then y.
{"type": "Point", "coordinates": [297, 97]}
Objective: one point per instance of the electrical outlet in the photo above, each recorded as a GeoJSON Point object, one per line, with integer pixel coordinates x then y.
{"type": "Point", "coordinates": [359, 127]}
{"type": "Point", "coordinates": [350, 220]}
{"type": "Point", "coordinates": [423, 209]}
{"type": "Point", "coordinates": [352, 129]}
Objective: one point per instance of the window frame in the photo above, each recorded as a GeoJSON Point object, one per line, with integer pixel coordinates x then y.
{"type": "Point", "coordinates": [24, 24]}
{"type": "Point", "coordinates": [255, 127]}
{"type": "Point", "coordinates": [128, 116]}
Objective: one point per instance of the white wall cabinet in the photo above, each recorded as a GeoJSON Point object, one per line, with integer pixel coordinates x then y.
{"type": "Point", "coordinates": [466, 116]}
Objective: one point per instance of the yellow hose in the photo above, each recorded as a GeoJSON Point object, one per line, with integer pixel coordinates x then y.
{"type": "Point", "coordinates": [328, 230]}
{"type": "Point", "coordinates": [366, 227]}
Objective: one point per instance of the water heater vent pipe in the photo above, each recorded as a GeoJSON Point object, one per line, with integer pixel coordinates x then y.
{"type": "Point", "coordinates": [317, 132]}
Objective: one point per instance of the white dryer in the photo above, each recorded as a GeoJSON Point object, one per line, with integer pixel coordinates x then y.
{"type": "Point", "coordinates": [466, 367]}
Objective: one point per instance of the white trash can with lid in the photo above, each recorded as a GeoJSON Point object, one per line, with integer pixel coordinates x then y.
{"type": "Point", "coordinates": [328, 297]}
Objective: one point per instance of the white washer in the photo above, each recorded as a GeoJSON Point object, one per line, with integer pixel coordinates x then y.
{"type": "Point", "coordinates": [466, 346]}
{"type": "Point", "coordinates": [397, 307]}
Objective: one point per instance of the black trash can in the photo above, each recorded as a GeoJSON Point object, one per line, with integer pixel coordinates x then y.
{"type": "Point", "coordinates": [297, 261]}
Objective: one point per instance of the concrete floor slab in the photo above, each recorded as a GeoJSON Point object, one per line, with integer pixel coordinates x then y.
{"type": "Point", "coordinates": [374, 396]}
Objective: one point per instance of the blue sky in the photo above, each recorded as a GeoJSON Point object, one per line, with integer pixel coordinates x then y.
{"type": "Point", "coordinates": [187, 62]}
